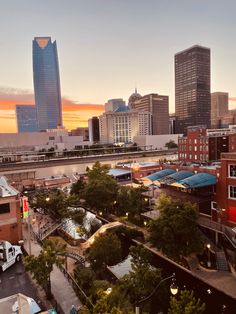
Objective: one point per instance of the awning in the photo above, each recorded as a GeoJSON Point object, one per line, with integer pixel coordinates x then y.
{"type": "Point", "coordinates": [160, 174]}
{"type": "Point", "coordinates": [198, 180]}
{"type": "Point", "coordinates": [118, 172]}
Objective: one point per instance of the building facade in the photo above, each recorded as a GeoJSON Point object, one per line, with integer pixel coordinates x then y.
{"type": "Point", "coordinates": [10, 213]}
{"type": "Point", "coordinates": [122, 127]}
{"type": "Point", "coordinates": [93, 125]}
{"type": "Point", "coordinates": [226, 188]}
{"type": "Point", "coordinates": [202, 145]}
{"type": "Point", "coordinates": [158, 106]}
{"type": "Point", "coordinates": [219, 108]}
{"type": "Point", "coordinates": [81, 131]}
{"type": "Point", "coordinates": [26, 117]}
{"type": "Point", "coordinates": [192, 88]}
{"type": "Point", "coordinates": [47, 89]}
{"type": "Point", "coordinates": [114, 104]}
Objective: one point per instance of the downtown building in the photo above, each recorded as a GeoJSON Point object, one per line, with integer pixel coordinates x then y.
{"type": "Point", "coordinates": [120, 127]}
{"type": "Point", "coordinates": [47, 89]}
{"type": "Point", "coordinates": [219, 108]}
{"type": "Point", "coordinates": [192, 88]}
{"type": "Point", "coordinates": [93, 126]}
{"type": "Point", "coordinates": [26, 117]}
{"type": "Point", "coordinates": [201, 145]}
{"type": "Point", "coordinates": [158, 106]}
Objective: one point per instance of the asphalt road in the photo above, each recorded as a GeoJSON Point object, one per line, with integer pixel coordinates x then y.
{"type": "Point", "coordinates": [15, 280]}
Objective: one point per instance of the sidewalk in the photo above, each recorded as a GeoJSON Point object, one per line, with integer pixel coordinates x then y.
{"type": "Point", "coordinates": [61, 289]}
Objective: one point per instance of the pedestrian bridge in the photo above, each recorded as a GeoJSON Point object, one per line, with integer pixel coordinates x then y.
{"type": "Point", "coordinates": [100, 231]}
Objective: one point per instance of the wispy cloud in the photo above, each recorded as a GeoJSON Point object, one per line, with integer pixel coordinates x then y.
{"type": "Point", "coordinates": [74, 115]}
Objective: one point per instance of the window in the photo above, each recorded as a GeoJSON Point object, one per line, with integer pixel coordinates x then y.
{"type": "Point", "coordinates": [232, 191]}
{"type": "Point", "coordinates": [4, 208]}
{"type": "Point", "coordinates": [51, 138]}
{"type": "Point", "coordinates": [232, 171]}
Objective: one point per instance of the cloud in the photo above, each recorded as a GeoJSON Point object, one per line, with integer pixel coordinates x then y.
{"type": "Point", "coordinates": [74, 114]}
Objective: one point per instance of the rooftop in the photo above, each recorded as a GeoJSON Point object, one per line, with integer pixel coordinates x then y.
{"type": "Point", "coordinates": [6, 190]}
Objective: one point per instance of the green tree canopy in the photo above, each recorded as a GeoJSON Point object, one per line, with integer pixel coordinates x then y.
{"type": "Point", "coordinates": [77, 188]}
{"type": "Point", "coordinates": [106, 249]}
{"type": "Point", "coordinates": [171, 144]}
{"type": "Point", "coordinates": [101, 190]}
{"type": "Point", "coordinates": [186, 304]}
{"type": "Point", "coordinates": [138, 284]}
{"type": "Point", "coordinates": [176, 231]}
{"type": "Point", "coordinates": [130, 200]}
{"type": "Point", "coordinates": [41, 266]}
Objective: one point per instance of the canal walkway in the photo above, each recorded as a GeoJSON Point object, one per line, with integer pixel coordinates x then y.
{"type": "Point", "coordinates": [61, 288]}
{"type": "Point", "coordinates": [223, 281]}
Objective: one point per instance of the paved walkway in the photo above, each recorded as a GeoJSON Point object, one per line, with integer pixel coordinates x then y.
{"type": "Point", "coordinates": [61, 289]}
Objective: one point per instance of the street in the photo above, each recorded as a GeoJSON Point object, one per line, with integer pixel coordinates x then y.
{"type": "Point", "coordinates": [15, 280]}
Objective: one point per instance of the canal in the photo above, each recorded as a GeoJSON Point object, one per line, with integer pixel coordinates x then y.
{"type": "Point", "coordinates": [216, 301]}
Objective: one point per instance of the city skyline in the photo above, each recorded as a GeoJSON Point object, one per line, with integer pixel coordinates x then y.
{"type": "Point", "coordinates": [100, 59]}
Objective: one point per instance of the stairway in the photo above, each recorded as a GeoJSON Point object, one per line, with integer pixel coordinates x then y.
{"type": "Point", "coordinates": [221, 261]}
{"type": "Point", "coordinates": [45, 233]}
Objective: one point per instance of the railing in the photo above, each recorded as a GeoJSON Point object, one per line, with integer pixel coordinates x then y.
{"type": "Point", "coordinates": [45, 233]}
{"type": "Point", "coordinates": [76, 287]}
{"type": "Point", "coordinates": [216, 226]}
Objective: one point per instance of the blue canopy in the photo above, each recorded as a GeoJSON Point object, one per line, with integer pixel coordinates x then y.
{"type": "Point", "coordinates": [179, 175]}
{"type": "Point", "coordinates": [160, 174]}
{"type": "Point", "coordinates": [199, 180]}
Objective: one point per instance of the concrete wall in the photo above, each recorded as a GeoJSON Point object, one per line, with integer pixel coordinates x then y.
{"type": "Point", "coordinates": [38, 140]}
{"type": "Point", "coordinates": [156, 141]}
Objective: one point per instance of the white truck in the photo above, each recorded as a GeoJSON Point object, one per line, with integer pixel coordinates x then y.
{"type": "Point", "coordinates": [9, 254]}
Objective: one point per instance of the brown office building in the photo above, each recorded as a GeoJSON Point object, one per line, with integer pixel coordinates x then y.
{"type": "Point", "coordinates": [192, 88]}
{"type": "Point", "coordinates": [158, 106]}
{"type": "Point", "coordinates": [219, 108]}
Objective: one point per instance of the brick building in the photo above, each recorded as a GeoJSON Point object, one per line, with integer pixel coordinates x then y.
{"type": "Point", "coordinates": [201, 145]}
{"type": "Point", "coordinates": [226, 188]}
{"type": "Point", "coordinates": [10, 213]}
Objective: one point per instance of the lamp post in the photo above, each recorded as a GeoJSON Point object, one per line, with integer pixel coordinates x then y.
{"type": "Point", "coordinates": [173, 289]}
{"type": "Point", "coordinates": [208, 255]}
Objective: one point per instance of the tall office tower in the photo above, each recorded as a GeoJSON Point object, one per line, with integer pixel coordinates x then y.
{"type": "Point", "coordinates": [114, 104]}
{"type": "Point", "coordinates": [158, 106]}
{"type": "Point", "coordinates": [93, 125]}
{"type": "Point", "coordinates": [123, 126]}
{"type": "Point", "coordinates": [26, 117]}
{"type": "Point", "coordinates": [192, 88]}
{"type": "Point", "coordinates": [47, 89]}
{"type": "Point", "coordinates": [219, 108]}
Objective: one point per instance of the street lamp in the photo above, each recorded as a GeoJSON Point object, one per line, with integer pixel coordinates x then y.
{"type": "Point", "coordinates": [208, 255]}
{"type": "Point", "coordinates": [47, 199]}
{"type": "Point", "coordinates": [173, 289]}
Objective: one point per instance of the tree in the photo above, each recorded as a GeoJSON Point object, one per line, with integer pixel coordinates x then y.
{"type": "Point", "coordinates": [53, 202]}
{"type": "Point", "coordinates": [101, 190]}
{"type": "Point", "coordinates": [176, 231]}
{"type": "Point", "coordinates": [138, 284]}
{"type": "Point", "coordinates": [85, 278]}
{"type": "Point", "coordinates": [41, 266]}
{"type": "Point", "coordinates": [78, 187]}
{"type": "Point", "coordinates": [106, 249]}
{"type": "Point", "coordinates": [186, 304]}
{"type": "Point", "coordinates": [130, 200]}
{"type": "Point", "coordinates": [171, 144]}
{"type": "Point", "coordinates": [103, 306]}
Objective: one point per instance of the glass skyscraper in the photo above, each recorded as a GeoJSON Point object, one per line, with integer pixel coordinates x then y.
{"type": "Point", "coordinates": [26, 117]}
{"type": "Point", "coordinates": [46, 83]}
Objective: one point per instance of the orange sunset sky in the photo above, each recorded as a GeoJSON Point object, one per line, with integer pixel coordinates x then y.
{"type": "Point", "coordinates": [74, 115]}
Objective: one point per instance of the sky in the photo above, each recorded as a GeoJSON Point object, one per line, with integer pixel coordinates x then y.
{"type": "Point", "coordinates": [106, 48]}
